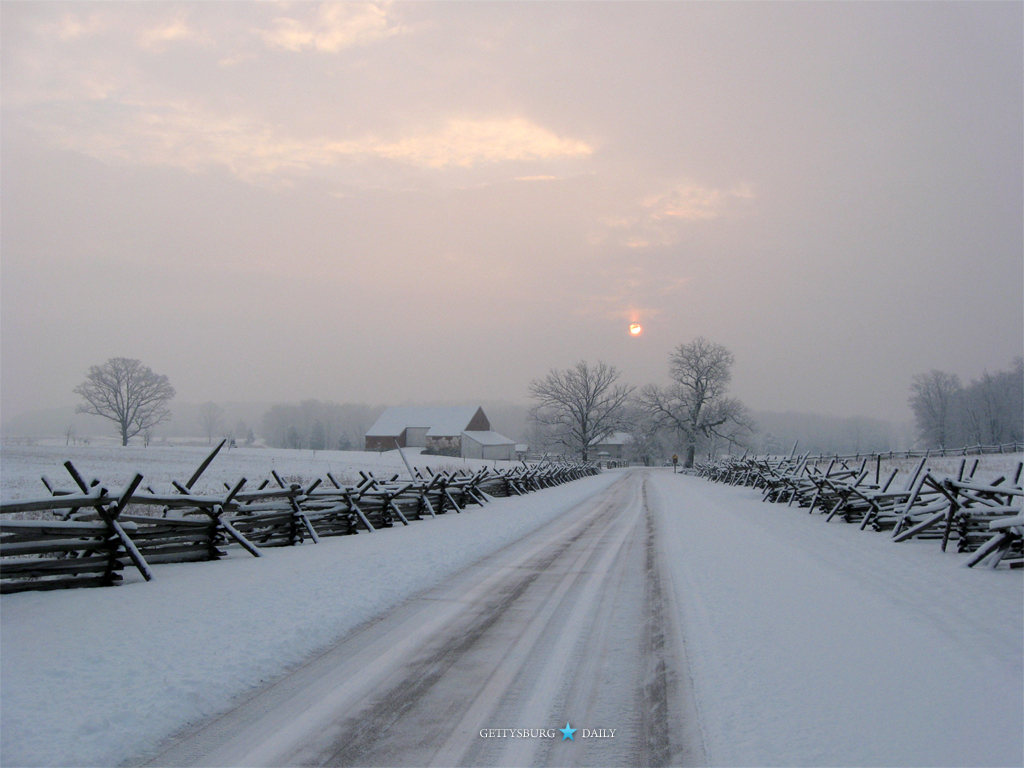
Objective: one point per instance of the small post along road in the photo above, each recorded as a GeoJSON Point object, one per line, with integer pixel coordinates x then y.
{"type": "Point", "coordinates": [560, 649]}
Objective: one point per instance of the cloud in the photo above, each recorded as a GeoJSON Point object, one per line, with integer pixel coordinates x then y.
{"type": "Point", "coordinates": [471, 142]}
{"type": "Point", "coordinates": [334, 27]}
{"type": "Point", "coordinates": [655, 220]}
{"type": "Point", "coordinates": [157, 38]}
{"type": "Point", "coordinates": [693, 202]}
{"type": "Point", "coordinates": [71, 26]}
{"type": "Point", "coordinates": [101, 98]}
{"type": "Point", "coordinates": [182, 134]}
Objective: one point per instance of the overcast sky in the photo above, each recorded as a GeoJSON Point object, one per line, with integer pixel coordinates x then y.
{"type": "Point", "coordinates": [400, 202]}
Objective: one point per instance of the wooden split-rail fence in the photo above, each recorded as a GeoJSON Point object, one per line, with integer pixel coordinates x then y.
{"type": "Point", "coordinates": [87, 533]}
{"type": "Point", "coordinates": [926, 453]}
{"type": "Point", "coordinates": [983, 518]}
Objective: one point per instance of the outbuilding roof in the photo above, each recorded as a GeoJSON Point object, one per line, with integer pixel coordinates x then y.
{"type": "Point", "coordinates": [441, 422]}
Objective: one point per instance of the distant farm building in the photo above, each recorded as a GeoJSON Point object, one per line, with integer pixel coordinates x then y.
{"type": "Point", "coordinates": [615, 446]}
{"type": "Point", "coordinates": [461, 431]}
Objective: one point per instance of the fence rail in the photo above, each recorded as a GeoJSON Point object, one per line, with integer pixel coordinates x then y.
{"type": "Point", "coordinates": [90, 532]}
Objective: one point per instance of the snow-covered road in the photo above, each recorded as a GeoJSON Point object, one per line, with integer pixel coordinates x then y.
{"type": "Point", "coordinates": [570, 626]}
{"type": "Point", "coordinates": [696, 621]}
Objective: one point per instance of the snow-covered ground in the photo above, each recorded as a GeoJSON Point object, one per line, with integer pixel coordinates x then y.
{"type": "Point", "coordinates": [815, 643]}
{"type": "Point", "coordinates": [808, 643]}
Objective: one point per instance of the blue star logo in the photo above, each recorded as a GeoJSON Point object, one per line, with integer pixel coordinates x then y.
{"type": "Point", "coordinates": [567, 732]}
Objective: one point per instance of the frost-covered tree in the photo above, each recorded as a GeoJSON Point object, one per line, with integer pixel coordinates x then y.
{"type": "Point", "coordinates": [1015, 400]}
{"type": "Point", "coordinates": [695, 404]}
{"type": "Point", "coordinates": [933, 398]}
{"type": "Point", "coordinates": [990, 409]}
{"type": "Point", "coordinates": [210, 415]}
{"type": "Point", "coordinates": [581, 405]}
{"type": "Point", "coordinates": [318, 436]}
{"type": "Point", "coordinates": [128, 393]}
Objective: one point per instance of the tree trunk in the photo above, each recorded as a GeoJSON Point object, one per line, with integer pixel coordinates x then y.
{"type": "Point", "coordinates": [689, 456]}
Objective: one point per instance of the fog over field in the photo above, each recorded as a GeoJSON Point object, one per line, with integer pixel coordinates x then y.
{"type": "Point", "coordinates": [423, 202]}
{"type": "Point", "coordinates": [776, 432]}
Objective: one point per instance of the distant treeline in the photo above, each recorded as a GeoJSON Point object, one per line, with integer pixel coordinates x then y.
{"type": "Point", "coordinates": [778, 432]}
{"type": "Point", "coordinates": [988, 411]}
{"type": "Point", "coordinates": [318, 426]}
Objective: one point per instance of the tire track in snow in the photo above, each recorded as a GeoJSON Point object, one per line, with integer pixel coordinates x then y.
{"type": "Point", "coordinates": [676, 734]}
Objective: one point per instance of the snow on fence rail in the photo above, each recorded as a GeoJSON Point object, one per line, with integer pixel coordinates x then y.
{"type": "Point", "coordinates": [984, 518]}
{"type": "Point", "coordinates": [87, 534]}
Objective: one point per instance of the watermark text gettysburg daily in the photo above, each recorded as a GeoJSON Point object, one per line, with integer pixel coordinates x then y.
{"type": "Point", "coordinates": [547, 733]}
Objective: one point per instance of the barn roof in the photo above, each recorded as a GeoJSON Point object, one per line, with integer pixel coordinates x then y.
{"type": "Point", "coordinates": [441, 422]}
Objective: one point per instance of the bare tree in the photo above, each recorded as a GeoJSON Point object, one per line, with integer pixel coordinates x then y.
{"type": "Point", "coordinates": [209, 419]}
{"type": "Point", "coordinates": [128, 393]}
{"type": "Point", "coordinates": [583, 405]}
{"type": "Point", "coordinates": [932, 397]}
{"type": "Point", "coordinates": [694, 404]}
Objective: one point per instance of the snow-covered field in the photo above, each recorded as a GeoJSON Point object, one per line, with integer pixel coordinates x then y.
{"type": "Point", "coordinates": [808, 643]}
{"type": "Point", "coordinates": [22, 466]}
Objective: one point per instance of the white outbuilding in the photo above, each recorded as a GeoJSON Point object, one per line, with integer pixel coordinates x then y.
{"type": "Point", "coordinates": [487, 445]}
